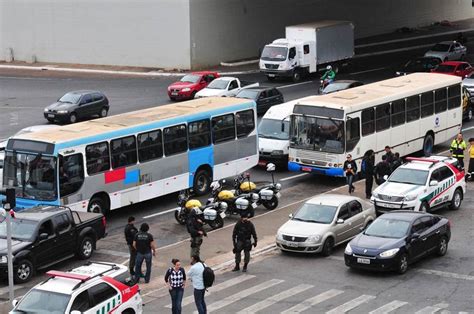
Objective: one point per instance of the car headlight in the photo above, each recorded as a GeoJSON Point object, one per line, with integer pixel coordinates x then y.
{"type": "Point", "coordinates": [62, 111]}
{"type": "Point", "coordinates": [277, 152]}
{"type": "Point", "coordinates": [389, 253]}
{"type": "Point", "coordinates": [3, 260]}
{"type": "Point", "coordinates": [187, 89]}
{"type": "Point", "coordinates": [314, 238]}
{"type": "Point", "coordinates": [348, 249]}
{"type": "Point", "coordinates": [278, 186]}
{"type": "Point", "coordinates": [411, 197]}
{"type": "Point", "coordinates": [279, 236]}
{"type": "Point", "coordinates": [376, 195]}
{"type": "Point", "coordinates": [46, 109]}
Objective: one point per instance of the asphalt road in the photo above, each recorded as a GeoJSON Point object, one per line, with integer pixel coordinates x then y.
{"type": "Point", "coordinates": [23, 96]}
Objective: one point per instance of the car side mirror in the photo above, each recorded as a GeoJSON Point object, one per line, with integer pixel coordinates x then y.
{"type": "Point", "coordinates": [340, 221]}
{"type": "Point", "coordinates": [414, 237]}
{"type": "Point", "coordinates": [434, 183]}
{"type": "Point", "coordinates": [290, 216]}
{"type": "Point", "coordinates": [43, 236]}
{"type": "Point", "coordinates": [385, 177]}
{"type": "Point", "coordinates": [15, 302]}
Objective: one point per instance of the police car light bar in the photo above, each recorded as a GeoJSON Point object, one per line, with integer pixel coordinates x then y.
{"type": "Point", "coordinates": [422, 159]}
{"type": "Point", "coordinates": [62, 274]}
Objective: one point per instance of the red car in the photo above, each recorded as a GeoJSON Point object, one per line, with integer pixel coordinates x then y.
{"type": "Point", "coordinates": [190, 84]}
{"type": "Point", "coordinates": [457, 68]}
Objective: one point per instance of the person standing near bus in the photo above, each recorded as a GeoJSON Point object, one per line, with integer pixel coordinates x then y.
{"type": "Point", "coordinates": [368, 166]}
{"type": "Point", "coordinates": [350, 169]}
{"type": "Point", "coordinates": [144, 244]}
{"type": "Point", "coordinates": [458, 146]}
{"type": "Point", "coordinates": [130, 232]}
{"type": "Point", "coordinates": [389, 154]}
{"type": "Point", "coordinates": [381, 170]}
{"type": "Point", "coordinates": [470, 170]}
{"type": "Point", "coordinates": [196, 230]}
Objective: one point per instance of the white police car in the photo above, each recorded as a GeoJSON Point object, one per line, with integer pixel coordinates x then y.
{"type": "Point", "coordinates": [93, 288]}
{"type": "Point", "coordinates": [422, 184]}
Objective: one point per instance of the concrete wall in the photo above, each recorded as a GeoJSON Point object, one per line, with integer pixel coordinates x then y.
{"type": "Point", "coordinates": [147, 33]}
{"type": "Point", "coordinates": [225, 30]}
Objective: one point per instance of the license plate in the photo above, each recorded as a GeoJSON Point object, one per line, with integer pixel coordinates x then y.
{"type": "Point", "coordinates": [363, 260]}
{"type": "Point", "coordinates": [174, 93]}
{"type": "Point", "coordinates": [388, 205]}
{"type": "Point", "coordinates": [292, 244]}
{"type": "Point", "coordinates": [254, 205]}
{"type": "Point", "coordinates": [50, 115]}
{"type": "Point", "coordinates": [278, 195]}
{"type": "Point", "coordinates": [262, 163]}
{"type": "Point", "coordinates": [222, 215]}
{"type": "Point", "coordinates": [306, 169]}
{"type": "Point", "coordinates": [271, 75]}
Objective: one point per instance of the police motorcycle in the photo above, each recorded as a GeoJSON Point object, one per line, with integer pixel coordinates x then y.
{"type": "Point", "coordinates": [269, 194]}
{"type": "Point", "coordinates": [236, 204]}
{"type": "Point", "coordinates": [212, 214]}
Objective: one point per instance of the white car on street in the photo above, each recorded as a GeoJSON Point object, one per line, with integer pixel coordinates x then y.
{"type": "Point", "coordinates": [226, 86]}
{"type": "Point", "coordinates": [89, 289]}
{"type": "Point", "coordinates": [422, 184]}
{"type": "Point", "coordinates": [323, 222]}
{"type": "Point", "coordinates": [447, 51]}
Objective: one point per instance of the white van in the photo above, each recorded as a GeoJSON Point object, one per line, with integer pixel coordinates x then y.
{"type": "Point", "coordinates": [274, 134]}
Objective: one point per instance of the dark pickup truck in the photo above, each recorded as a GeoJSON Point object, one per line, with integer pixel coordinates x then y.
{"type": "Point", "coordinates": [46, 235]}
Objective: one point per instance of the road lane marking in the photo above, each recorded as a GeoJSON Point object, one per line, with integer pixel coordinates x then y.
{"type": "Point", "coordinates": [309, 303]}
{"type": "Point", "coordinates": [219, 287]}
{"type": "Point", "coordinates": [113, 253]}
{"type": "Point", "coordinates": [296, 84]}
{"type": "Point", "coordinates": [294, 177]}
{"type": "Point", "coordinates": [242, 294]}
{"type": "Point", "coordinates": [160, 213]}
{"type": "Point", "coordinates": [432, 309]}
{"type": "Point", "coordinates": [389, 307]}
{"type": "Point", "coordinates": [367, 71]}
{"type": "Point", "coordinates": [352, 304]}
{"type": "Point", "coordinates": [4, 290]}
{"type": "Point", "coordinates": [445, 274]}
{"type": "Point", "coordinates": [275, 298]}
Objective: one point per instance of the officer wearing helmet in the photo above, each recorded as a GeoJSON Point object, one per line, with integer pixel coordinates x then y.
{"type": "Point", "coordinates": [196, 230]}
{"type": "Point", "coordinates": [330, 75]}
{"type": "Point", "coordinates": [242, 235]}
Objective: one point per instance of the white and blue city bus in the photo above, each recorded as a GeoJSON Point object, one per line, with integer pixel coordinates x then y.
{"type": "Point", "coordinates": [107, 163]}
{"type": "Point", "coordinates": [408, 113]}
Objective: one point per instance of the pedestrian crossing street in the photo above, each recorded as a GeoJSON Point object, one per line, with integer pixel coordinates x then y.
{"type": "Point", "coordinates": [246, 294]}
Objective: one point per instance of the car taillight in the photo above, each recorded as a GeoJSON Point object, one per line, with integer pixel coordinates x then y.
{"type": "Point", "coordinates": [104, 223]}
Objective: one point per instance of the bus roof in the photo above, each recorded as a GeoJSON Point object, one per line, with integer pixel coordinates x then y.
{"type": "Point", "coordinates": [150, 116]}
{"type": "Point", "coordinates": [284, 110]}
{"type": "Point", "coordinates": [364, 96]}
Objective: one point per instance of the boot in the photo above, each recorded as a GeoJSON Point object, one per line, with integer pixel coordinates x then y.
{"type": "Point", "coordinates": [244, 270]}
{"type": "Point", "coordinates": [237, 267]}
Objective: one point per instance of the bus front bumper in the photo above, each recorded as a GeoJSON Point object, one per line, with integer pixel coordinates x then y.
{"type": "Point", "coordinates": [327, 171]}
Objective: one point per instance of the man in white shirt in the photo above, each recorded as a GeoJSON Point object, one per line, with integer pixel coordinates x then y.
{"type": "Point", "coordinates": [195, 273]}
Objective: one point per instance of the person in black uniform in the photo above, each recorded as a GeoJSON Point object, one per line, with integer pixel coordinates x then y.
{"type": "Point", "coordinates": [130, 232]}
{"type": "Point", "coordinates": [244, 230]}
{"type": "Point", "coordinates": [196, 230]}
{"type": "Point", "coordinates": [369, 166]}
{"type": "Point", "coordinates": [144, 244]}
{"type": "Point", "coordinates": [350, 170]}
{"type": "Point", "coordinates": [382, 169]}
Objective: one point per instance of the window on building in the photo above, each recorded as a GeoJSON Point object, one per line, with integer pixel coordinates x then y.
{"type": "Point", "coordinates": [175, 140]}
{"type": "Point", "coordinates": [223, 128]}
{"type": "Point", "coordinates": [124, 152]}
{"type": "Point", "coordinates": [245, 123]}
{"type": "Point", "coordinates": [199, 133]}
{"type": "Point", "coordinates": [97, 158]}
{"type": "Point", "coordinates": [150, 146]}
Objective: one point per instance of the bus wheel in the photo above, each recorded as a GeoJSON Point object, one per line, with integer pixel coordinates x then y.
{"type": "Point", "coordinates": [428, 144]}
{"type": "Point", "coordinates": [202, 181]}
{"type": "Point", "coordinates": [97, 205]}
{"type": "Point", "coordinates": [296, 76]}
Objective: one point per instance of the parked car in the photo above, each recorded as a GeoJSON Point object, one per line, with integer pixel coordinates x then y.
{"type": "Point", "coordinates": [467, 104]}
{"type": "Point", "coordinates": [421, 64]}
{"type": "Point", "coordinates": [422, 184]}
{"type": "Point", "coordinates": [468, 82]}
{"type": "Point", "coordinates": [447, 51]}
{"type": "Point", "coordinates": [190, 84]}
{"type": "Point", "coordinates": [93, 288]}
{"type": "Point", "coordinates": [30, 129]}
{"type": "Point", "coordinates": [457, 68]}
{"type": "Point", "coordinates": [224, 86]}
{"type": "Point", "coordinates": [47, 235]}
{"type": "Point", "coordinates": [323, 222]}
{"type": "Point", "coordinates": [397, 239]}
{"type": "Point", "coordinates": [77, 105]}
{"type": "Point", "coordinates": [265, 97]}
{"type": "Point", "coordinates": [340, 85]}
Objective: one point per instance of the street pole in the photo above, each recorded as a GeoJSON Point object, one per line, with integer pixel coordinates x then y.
{"type": "Point", "coordinates": [9, 250]}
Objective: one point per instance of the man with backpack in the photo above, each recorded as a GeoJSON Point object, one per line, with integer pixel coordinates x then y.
{"type": "Point", "coordinates": [202, 277]}
{"type": "Point", "coordinates": [368, 166]}
{"type": "Point", "coordinates": [242, 235]}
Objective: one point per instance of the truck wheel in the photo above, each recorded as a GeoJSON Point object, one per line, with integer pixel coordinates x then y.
{"type": "Point", "coordinates": [202, 182]}
{"type": "Point", "coordinates": [296, 76]}
{"type": "Point", "coordinates": [86, 248]}
{"type": "Point", "coordinates": [23, 271]}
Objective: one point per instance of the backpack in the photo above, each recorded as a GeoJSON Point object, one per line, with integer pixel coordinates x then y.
{"type": "Point", "coordinates": [363, 166]}
{"type": "Point", "coordinates": [208, 276]}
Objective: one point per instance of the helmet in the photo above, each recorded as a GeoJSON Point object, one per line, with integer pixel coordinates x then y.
{"type": "Point", "coordinates": [329, 67]}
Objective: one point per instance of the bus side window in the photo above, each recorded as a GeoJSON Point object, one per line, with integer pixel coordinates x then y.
{"type": "Point", "coordinates": [352, 133]}
{"type": "Point", "coordinates": [427, 104]}
{"type": "Point", "coordinates": [199, 134]}
{"type": "Point", "coordinates": [124, 152]}
{"type": "Point", "coordinates": [245, 123]}
{"type": "Point", "coordinates": [398, 112]}
{"type": "Point", "coordinates": [440, 100]}
{"type": "Point", "coordinates": [454, 97]}
{"type": "Point", "coordinates": [175, 139]}
{"type": "Point", "coordinates": [368, 121]}
{"type": "Point", "coordinates": [413, 108]}
{"type": "Point", "coordinates": [382, 114]}
{"type": "Point", "coordinates": [71, 174]}
{"type": "Point", "coordinates": [97, 158]}
{"type": "Point", "coordinates": [150, 146]}
{"type": "Point", "coordinates": [223, 128]}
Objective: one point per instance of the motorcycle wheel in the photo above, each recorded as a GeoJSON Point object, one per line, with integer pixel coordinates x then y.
{"type": "Point", "coordinates": [271, 204]}
{"type": "Point", "coordinates": [181, 219]}
{"type": "Point", "coordinates": [216, 223]}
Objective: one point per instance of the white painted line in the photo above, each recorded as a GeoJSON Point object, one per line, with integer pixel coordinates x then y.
{"type": "Point", "coordinates": [219, 287]}
{"type": "Point", "coordinates": [294, 177]}
{"type": "Point", "coordinates": [367, 71]}
{"type": "Point", "coordinates": [4, 290]}
{"type": "Point", "coordinates": [309, 303]}
{"type": "Point", "coordinates": [160, 213]}
{"type": "Point", "coordinates": [274, 299]}
{"type": "Point", "coordinates": [432, 309]}
{"type": "Point", "coordinates": [445, 274]}
{"type": "Point", "coordinates": [113, 253]}
{"type": "Point", "coordinates": [234, 64]}
{"type": "Point", "coordinates": [296, 84]}
{"type": "Point", "coordinates": [389, 307]}
{"type": "Point", "coordinates": [467, 129]}
{"type": "Point", "coordinates": [242, 294]}
{"type": "Point", "coordinates": [377, 53]}
{"type": "Point", "coordinates": [352, 304]}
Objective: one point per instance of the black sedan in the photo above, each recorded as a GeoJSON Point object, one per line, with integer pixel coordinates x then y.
{"type": "Point", "coordinates": [397, 239]}
{"type": "Point", "coordinates": [265, 97]}
{"type": "Point", "coordinates": [340, 85]}
{"type": "Point", "coordinates": [421, 64]}
{"type": "Point", "coordinates": [77, 105]}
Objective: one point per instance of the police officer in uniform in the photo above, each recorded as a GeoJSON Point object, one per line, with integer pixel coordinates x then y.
{"type": "Point", "coordinates": [144, 244]}
{"type": "Point", "coordinates": [196, 231]}
{"type": "Point", "coordinates": [458, 146]}
{"type": "Point", "coordinates": [244, 230]}
{"type": "Point", "coordinates": [130, 231]}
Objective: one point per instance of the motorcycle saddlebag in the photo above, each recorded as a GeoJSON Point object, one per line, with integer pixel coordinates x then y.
{"type": "Point", "coordinates": [210, 214]}
{"type": "Point", "coordinates": [266, 195]}
{"type": "Point", "coordinates": [241, 203]}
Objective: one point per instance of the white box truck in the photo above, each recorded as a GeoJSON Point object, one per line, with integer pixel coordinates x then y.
{"type": "Point", "coordinates": [308, 48]}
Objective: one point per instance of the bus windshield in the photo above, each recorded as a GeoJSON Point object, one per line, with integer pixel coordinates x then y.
{"type": "Point", "coordinates": [320, 134]}
{"type": "Point", "coordinates": [32, 175]}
